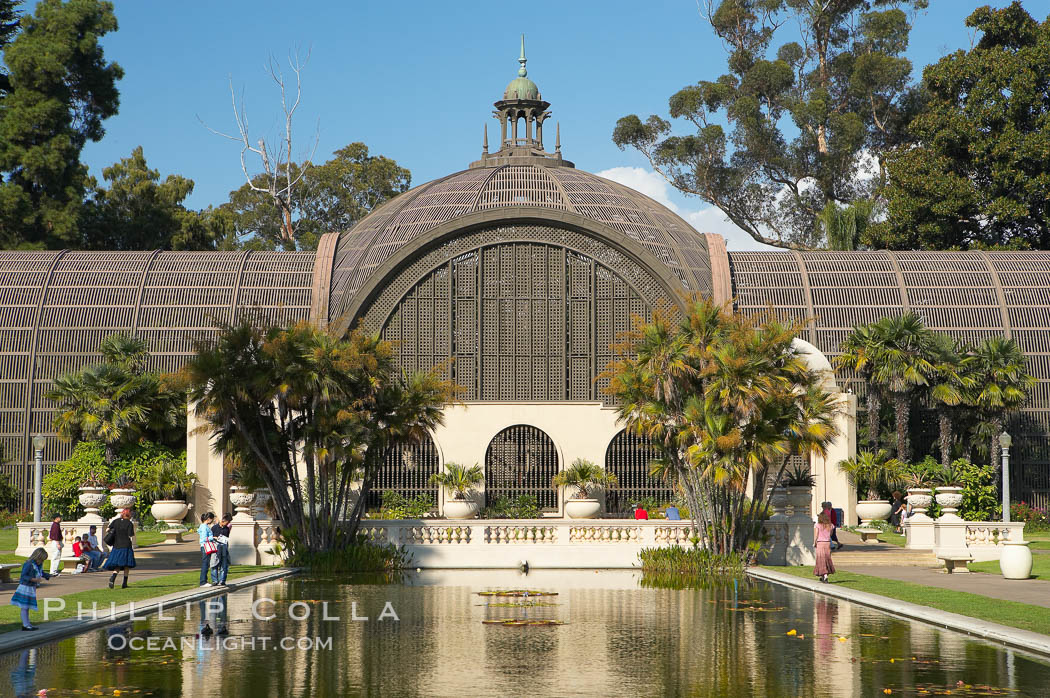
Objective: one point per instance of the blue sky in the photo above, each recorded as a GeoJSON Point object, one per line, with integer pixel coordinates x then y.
{"type": "Point", "coordinates": [415, 80]}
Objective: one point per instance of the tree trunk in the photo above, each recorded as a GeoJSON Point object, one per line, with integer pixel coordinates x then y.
{"type": "Point", "coordinates": [901, 413]}
{"type": "Point", "coordinates": [874, 407]}
{"type": "Point", "coordinates": [945, 437]}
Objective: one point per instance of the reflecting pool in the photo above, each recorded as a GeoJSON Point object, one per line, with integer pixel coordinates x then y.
{"type": "Point", "coordinates": [611, 636]}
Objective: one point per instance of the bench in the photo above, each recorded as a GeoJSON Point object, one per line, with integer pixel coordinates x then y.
{"type": "Point", "coordinates": [956, 564]}
{"type": "Point", "coordinates": [5, 571]}
{"type": "Point", "coordinates": [868, 535]}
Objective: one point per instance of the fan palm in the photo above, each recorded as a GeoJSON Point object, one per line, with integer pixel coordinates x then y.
{"type": "Point", "coordinates": [868, 472]}
{"type": "Point", "coordinates": [952, 378]}
{"type": "Point", "coordinates": [1001, 383]}
{"type": "Point", "coordinates": [584, 476]}
{"type": "Point", "coordinates": [901, 354]}
{"type": "Point", "coordinates": [458, 479]}
{"type": "Point", "coordinates": [858, 350]}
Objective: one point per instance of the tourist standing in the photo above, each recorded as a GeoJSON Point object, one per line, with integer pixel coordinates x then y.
{"type": "Point", "coordinates": [822, 534]}
{"type": "Point", "coordinates": [25, 595]}
{"type": "Point", "coordinates": [834, 519]}
{"type": "Point", "coordinates": [54, 540]}
{"type": "Point", "coordinates": [119, 537]}
{"type": "Point", "coordinates": [208, 545]}
{"type": "Point", "coordinates": [895, 512]}
{"type": "Point", "coordinates": [221, 533]}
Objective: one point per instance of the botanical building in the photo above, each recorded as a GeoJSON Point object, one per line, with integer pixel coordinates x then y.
{"type": "Point", "coordinates": [520, 271]}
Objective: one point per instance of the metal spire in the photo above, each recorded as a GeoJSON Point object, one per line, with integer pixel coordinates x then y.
{"type": "Point", "coordinates": [557, 137]}
{"type": "Point", "coordinates": [521, 71]}
{"type": "Point", "coordinates": [485, 140]}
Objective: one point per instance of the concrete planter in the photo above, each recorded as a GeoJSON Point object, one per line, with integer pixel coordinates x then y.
{"type": "Point", "coordinates": [460, 509]}
{"type": "Point", "coordinates": [873, 510]}
{"type": "Point", "coordinates": [241, 498]}
{"type": "Point", "coordinates": [91, 498]}
{"type": "Point", "coordinates": [920, 500]}
{"type": "Point", "coordinates": [122, 499]}
{"type": "Point", "coordinates": [1015, 561]}
{"type": "Point", "coordinates": [170, 511]}
{"type": "Point", "coordinates": [801, 500]}
{"type": "Point", "coordinates": [950, 499]}
{"type": "Point", "coordinates": [582, 508]}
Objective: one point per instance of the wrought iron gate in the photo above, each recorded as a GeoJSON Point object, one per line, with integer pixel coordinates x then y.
{"type": "Point", "coordinates": [522, 460]}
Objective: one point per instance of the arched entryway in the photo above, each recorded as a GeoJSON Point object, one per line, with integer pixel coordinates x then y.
{"type": "Point", "coordinates": [406, 469]}
{"type": "Point", "coordinates": [628, 457]}
{"type": "Point", "coordinates": [522, 460]}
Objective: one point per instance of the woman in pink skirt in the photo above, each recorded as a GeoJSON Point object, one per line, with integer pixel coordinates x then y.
{"type": "Point", "coordinates": [822, 535]}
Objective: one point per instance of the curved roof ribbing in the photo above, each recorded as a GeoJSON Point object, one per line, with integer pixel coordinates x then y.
{"type": "Point", "coordinates": [381, 234]}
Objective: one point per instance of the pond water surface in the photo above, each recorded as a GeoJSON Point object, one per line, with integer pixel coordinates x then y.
{"type": "Point", "coordinates": [618, 637]}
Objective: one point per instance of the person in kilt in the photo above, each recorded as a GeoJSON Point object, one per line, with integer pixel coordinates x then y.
{"type": "Point", "coordinates": [25, 595]}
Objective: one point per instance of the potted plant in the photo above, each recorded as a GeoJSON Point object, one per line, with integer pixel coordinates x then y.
{"type": "Point", "coordinates": [918, 478]}
{"type": "Point", "coordinates": [122, 492]}
{"type": "Point", "coordinates": [583, 475]}
{"type": "Point", "coordinates": [799, 482]}
{"type": "Point", "coordinates": [92, 496]}
{"type": "Point", "coordinates": [169, 485]}
{"type": "Point", "coordinates": [459, 480]}
{"type": "Point", "coordinates": [869, 472]}
{"type": "Point", "coordinates": [948, 482]}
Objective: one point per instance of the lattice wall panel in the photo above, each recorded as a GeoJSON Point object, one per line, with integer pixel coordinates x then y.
{"type": "Point", "coordinates": [406, 470]}
{"type": "Point", "coordinates": [628, 457]}
{"type": "Point", "coordinates": [521, 460]}
{"type": "Point", "coordinates": [970, 295]}
{"type": "Point", "coordinates": [529, 321]}
{"type": "Point", "coordinates": [399, 222]}
{"type": "Point", "coordinates": [56, 307]}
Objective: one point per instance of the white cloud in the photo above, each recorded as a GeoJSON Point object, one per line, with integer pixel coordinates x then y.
{"type": "Point", "coordinates": [705, 220]}
{"type": "Point", "coordinates": [646, 181]}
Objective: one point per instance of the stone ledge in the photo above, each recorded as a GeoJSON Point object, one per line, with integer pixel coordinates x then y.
{"type": "Point", "coordinates": [59, 629]}
{"type": "Point", "coordinates": [1012, 637]}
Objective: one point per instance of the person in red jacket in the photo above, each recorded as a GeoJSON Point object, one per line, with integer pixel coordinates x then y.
{"type": "Point", "coordinates": [81, 546]}
{"type": "Point", "coordinates": [834, 519]}
{"type": "Point", "coordinates": [640, 513]}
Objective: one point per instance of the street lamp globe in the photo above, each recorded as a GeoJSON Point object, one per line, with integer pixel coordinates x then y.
{"type": "Point", "coordinates": [39, 441]}
{"type": "Point", "coordinates": [1005, 440]}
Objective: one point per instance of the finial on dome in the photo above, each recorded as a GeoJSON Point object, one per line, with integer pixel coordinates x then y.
{"type": "Point", "coordinates": [521, 71]}
{"type": "Point", "coordinates": [557, 137]}
{"type": "Point", "coordinates": [485, 140]}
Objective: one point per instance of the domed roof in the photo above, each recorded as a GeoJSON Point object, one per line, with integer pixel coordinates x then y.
{"type": "Point", "coordinates": [399, 222]}
{"type": "Point", "coordinates": [521, 88]}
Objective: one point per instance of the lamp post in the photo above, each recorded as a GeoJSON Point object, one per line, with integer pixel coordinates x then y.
{"type": "Point", "coordinates": [39, 441]}
{"type": "Point", "coordinates": [1005, 442]}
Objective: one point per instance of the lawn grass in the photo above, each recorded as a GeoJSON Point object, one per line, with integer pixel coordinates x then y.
{"type": "Point", "coordinates": [1040, 567]}
{"type": "Point", "coordinates": [136, 591]}
{"type": "Point", "coordinates": [8, 539]}
{"type": "Point", "coordinates": [1040, 541]}
{"type": "Point", "coordinates": [1011, 613]}
{"type": "Point", "coordinates": [892, 538]}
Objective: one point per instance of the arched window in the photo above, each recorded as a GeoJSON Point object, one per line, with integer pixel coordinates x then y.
{"type": "Point", "coordinates": [521, 460]}
{"type": "Point", "coordinates": [628, 459]}
{"type": "Point", "coordinates": [406, 470]}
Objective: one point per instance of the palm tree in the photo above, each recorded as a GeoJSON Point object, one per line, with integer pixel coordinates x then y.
{"type": "Point", "coordinates": [857, 352]}
{"type": "Point", "coordinates": [458, 479]}
{"type": "Point", "coordinates": [584, 475]}
{"type": "Point", "coordinates": [901, 353]}
{"type": "Point", "coordinates": [119, 401]}
{"type": "Point", "coordinates": [952, 378]}
{"type": "Point", "coordinates": [868, 472]}
{"type": "Point", "coordinates": [1001, 383]}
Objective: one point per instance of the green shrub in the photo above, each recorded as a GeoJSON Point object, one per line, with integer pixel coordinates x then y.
{"type": "Point", "coordinates": [9, 495]}
{"type": "Point", "coordinates": [677, 567]}
{"type": "Point", "coordinates": [398, 506]}
{"type": "Point", "coordinates": [347, 556]}
{"type": "Point", "coordinates": [524, 506]}
{"type": "Point", "coordinates": [138, 462]}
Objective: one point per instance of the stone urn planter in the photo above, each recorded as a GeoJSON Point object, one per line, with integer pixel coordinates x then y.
{"type": "Point", "coordinates": [920, 500]}
{"type": "Point", "coordinates": [262, 498]}
{"type": "Point", "coordinates": [122, 498]}
{"type": "Point", "coordinates": [241, 498]}
{"type": "Point", "coordinates": [582, 508]}
{"type": "Point", "coordinates": [460, 508]}
{"type": "Point", "coordinates": [950, 499]}
{"type": "Point", "coordinates": [801, 500]}
{"type": "Point", "coordinates": [171, 512]}
{"type": "Point", "coordinates": [778, 499]}
{"type": "Point", "coordinates": [91, 498]}
{"type": "Point", "coordinates": [873, 510]}
{"type": "Point", "coordinates": [1015, 560]}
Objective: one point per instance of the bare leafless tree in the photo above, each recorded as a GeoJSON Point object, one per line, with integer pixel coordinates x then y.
{"type": "Point", "coordinates": [281, 178]}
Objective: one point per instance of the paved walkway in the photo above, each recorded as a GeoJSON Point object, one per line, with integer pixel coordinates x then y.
{"type": "Point", "coordinates": [151, 561]}
{"type": "Point", "coordinates": [1032, 591]}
